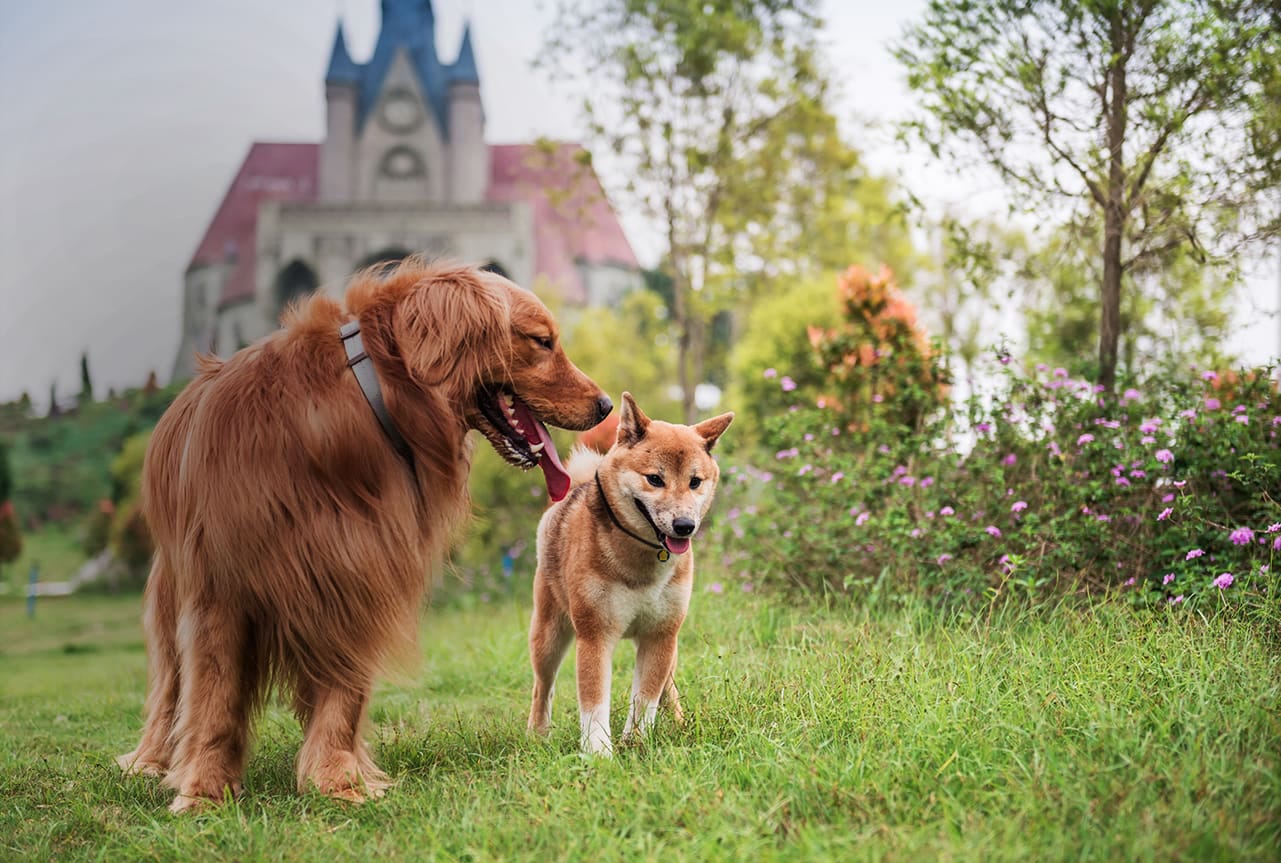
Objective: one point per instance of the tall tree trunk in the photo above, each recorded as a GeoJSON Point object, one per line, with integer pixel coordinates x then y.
{"type": "Point", "coordinates": [1114, 214]}
{"type": "Point", "coordinates": [684, 334]}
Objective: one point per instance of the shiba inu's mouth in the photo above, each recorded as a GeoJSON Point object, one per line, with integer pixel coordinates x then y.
{"type": "Point", "coordinates": [674, 544]}
{"type": "Point", "coordinates": [522, 439]}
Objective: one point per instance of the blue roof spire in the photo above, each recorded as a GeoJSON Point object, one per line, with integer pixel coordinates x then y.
{"type": "Point", "coordinates": [464, 68]}
{"type": "Point", "coordinates": [342, 70]}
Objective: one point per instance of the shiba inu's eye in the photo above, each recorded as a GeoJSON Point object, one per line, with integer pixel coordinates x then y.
{"type": "Point", "coordinates": [695, 482]}
{"type": "Point", "coordinates": [655, 480]}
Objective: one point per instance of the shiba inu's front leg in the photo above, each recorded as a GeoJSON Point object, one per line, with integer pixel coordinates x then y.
{"type": "Point", "coordinates": [593, 668]}
{"type": "Point", "coordinates": [655, 667]}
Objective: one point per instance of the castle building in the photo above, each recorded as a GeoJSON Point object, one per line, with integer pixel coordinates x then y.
{"type": "Point", "coordinates": [404, 168]}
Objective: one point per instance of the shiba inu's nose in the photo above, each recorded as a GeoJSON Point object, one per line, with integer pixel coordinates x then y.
{"type": "Point", "coordinates": [683, 526]}
{"type": "Point", "coordinates": [603, 407]}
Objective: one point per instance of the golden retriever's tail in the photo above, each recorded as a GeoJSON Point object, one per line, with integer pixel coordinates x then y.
{"type": "Point", "coordinates": [582, 464]}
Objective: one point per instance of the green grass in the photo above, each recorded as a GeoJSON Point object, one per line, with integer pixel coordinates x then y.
{"type": "Point", "coordinates": [1096, 735]}
{"type": "Point", "coordinates": [56, 548]}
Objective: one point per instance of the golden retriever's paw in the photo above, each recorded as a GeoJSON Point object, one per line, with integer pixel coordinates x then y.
{"type": "Point", "coordinates": [185, 804]}
{"type": "Point", "coordinates": [132, 765]}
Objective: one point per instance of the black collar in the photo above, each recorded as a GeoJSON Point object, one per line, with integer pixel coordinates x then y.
{"type": "Point", "coordinates": [663, 553]}
{"type": "Point", "coordinates": [367, 377]}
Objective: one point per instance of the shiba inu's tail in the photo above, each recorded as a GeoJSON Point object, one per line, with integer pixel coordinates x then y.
{"type": "Point", "coordinates": [582, 464]}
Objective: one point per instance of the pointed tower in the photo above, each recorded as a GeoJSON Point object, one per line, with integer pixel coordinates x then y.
{"type": "Point", "coordinates": [468, 154]}
{"type": "Point", "coordinates": [337, 151]}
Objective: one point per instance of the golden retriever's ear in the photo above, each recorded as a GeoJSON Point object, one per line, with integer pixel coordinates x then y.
{"type": "Point", "coordinates": [711, 430]}
{"type": "Point", "coordinates": [632, 422]}
{"type": "Point", "coordinates": [453, 328]}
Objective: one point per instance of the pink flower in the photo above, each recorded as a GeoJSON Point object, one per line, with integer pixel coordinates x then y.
{"type": "Point", "coordinates": [1129, 582]}
{"type": "Point", "coordinates": [1060, 372]}
{"type": "Point", "coordinates": [770, 374]}
{"type": "Point", "coordinates": [1167, 578]}
{"type": "Point", "coordinates": [1147, 439]}
{"type": "Point", "coordinates": [1175, 600]}
{"type": "Point", "coordinates": [944, 558]}
{"type": "Point", "coordinates": [716, 587]}
{"type": "Point", "coordinates": [1188, 414]}
{"type": "Point", "coordinates": [1131, 394]}
{"type": "Point", "coordinates": [1009, 459]}
{"type": "Point", "coordinates": [838, 476]}
{"type": "Point", "coordinates": [787, 384]}
{"type": "Point", "coordinates": [1212, 404]}
{"type": "Point", "coordinates": [1209, 376]}
{"type": "Point", "coordinates": [1241, 536]}
{"type": "Point", "coordinates": [947, 510]}
{"type": "Point", "coordinates": [862, 519]}
{"type": "Point", "coordinates": [993, 530]}
{"type": "Point", "coordinates": [1164, 456]}
{"type": "Point", "coordinates": [1084, 439]}
{"type": "Point", "coordinates": [927, 482]}
{"type": "Point", "coordinates": [747, 587]}
{"type": "Point", "coordinates": [1168, 498]}
{"type": "Point", "coordinates": [1224, 580]}
{"type": "Point", "coordinates": [1165, 513]}
{"type": "Point", "coordinates": [1243, 419]}
{"type": "Point", "coordinates": [1018, 506]}
{"type": "Point", "coordinates": [1194, 553]}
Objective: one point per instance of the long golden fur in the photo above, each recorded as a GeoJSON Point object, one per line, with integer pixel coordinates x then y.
{"type": "Point", "coordinates": [294, 543]}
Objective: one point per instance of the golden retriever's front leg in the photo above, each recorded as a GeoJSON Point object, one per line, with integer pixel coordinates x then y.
{"type": "Point", "coordinates": [593, 667]}
{"type": "Point", "coordinates": [334, 757]}
{"type": "Point", "coordinates": [655, 668]}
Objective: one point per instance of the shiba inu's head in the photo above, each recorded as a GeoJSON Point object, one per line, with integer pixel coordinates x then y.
{"type": "Point", "coordinates": [663, 474]}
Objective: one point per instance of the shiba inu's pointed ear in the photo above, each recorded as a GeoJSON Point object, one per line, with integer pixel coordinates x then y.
{"type": "Point", "coordinates": [710, 430]}
{"type": "Point", "coordinates": [632, 422]}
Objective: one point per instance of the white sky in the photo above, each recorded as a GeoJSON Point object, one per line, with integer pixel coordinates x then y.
{"type": "Point", "coordinates": [123, 123]}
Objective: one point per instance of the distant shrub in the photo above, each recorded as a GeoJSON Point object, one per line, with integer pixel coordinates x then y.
{"type": "Point", "coordinates": [1041, 485]}
{"type": "Point", "coordinates": [10, 534]}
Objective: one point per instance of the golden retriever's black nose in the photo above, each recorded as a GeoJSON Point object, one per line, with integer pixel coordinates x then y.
{"type": "Point", "coordinates": [603, 407]}
{"type": "Point", "coordinates": [682, 526]}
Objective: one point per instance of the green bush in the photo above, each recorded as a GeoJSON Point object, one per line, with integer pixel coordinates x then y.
{"type": "Point", "coordinates": [1041, 486]}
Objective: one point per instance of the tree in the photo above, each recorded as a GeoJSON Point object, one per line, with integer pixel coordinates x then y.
{"type": "Point", "coordinates": [1151, 117]}
{"type": "Point", "coordinates": [716, 113]}
{"type": "Point", "coordinates": [86, 383]}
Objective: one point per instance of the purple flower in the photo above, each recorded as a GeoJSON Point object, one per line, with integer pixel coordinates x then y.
{"type": "Point", "coordinates": [805, 468]}
{"type": "Point", "coordinates": [947, 510]}
{"type": "Point", "coordinates": [1147, 439]}
{"type": "Point", "coordinates": [1241, 536]}
{"type": "Point", "coordinates": [1129, 582]}
{"type": "Point", "coordinates": [927, 482]}
{"type": "Point", "coordinates": [1243, 419]}
{"type": "Point", "coordinates": [747, 587]}
{"type": "Point", "coordinates": [1164, 456]}
{"type": "Point", "coordinates": [787, 453]}
{"type": "Point", "coordinates": [1165, 513]}
{"type": "Point", "coordinates": [1276, 544]}
{"type": "Point", "coordinates": [1209, 376]}
{"type": "Point", "coordinates": [878, 398]}
{"type": "Point", "coordinates": [787, 384]}
{"type": "Point", "coordinates": [771, 374]}
{"type": "Point", "coordinates": [1084, 439]}
{"type": "Point", "coordinates": [1018, 506]}
{"type": "Point", "coordinates": [1131, 394]}
{"type": "Point", "coordinates": [838, 476]}
{"type": "Point", "coordinates": [862, 519]}
{"type": "Point", "coordinates": [1194, 553]}
{"type": "Point", "coordinates": [1150, 426]}
{"type": "Point", "coordinates": [1212, 404]}
{"type": "Point", "coordinates": [1167, 498]}
{"type": "Point", "coordinates": [916, 533]}
{"type": "Point", "coordinates": [1188, 414]}
{"type": "Point", "coordinates": [1175, 600]}
{"type": "Point", "coordinates": [944, 558]}
{"type": "Point", "coordinates": [1009, 459]}
{"type": "Point", "coordinates": [1274, 527]}
{"type": "Point", "coordinates": [1060, 372]}
{"type": "Point", "coordinates": [983, 428]}
{"type": "Point", "coordinates": [1167, 578]}
{"type": "Point", "coordinates": [993, 530]}
{"type": "Point", "coordinates": [1224, 580]}
{"type": "Point", "coordinates": [716, 587]}
{"type": "Point", "coordinates": [907, 480]}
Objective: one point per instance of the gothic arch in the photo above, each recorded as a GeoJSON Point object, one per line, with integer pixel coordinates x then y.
{"type": "Point", "coordinates": [294, 282]}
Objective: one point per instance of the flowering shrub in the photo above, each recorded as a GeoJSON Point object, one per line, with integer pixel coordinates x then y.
{"type": "Point", "coordinates": [878, 364]}
{"type": "Point", "coordinates": [1042, 484]}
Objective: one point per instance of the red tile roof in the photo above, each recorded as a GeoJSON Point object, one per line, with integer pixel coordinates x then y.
{"type": "Point", "coordinates": [271, 172]}
{"type": "Point", "coordinates": [573, 220]}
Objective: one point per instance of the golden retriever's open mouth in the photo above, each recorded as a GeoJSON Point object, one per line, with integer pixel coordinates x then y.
{"type": "Point", "coordinates": [522, 439]}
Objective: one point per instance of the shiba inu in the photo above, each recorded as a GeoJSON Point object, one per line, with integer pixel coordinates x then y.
{"type": "Point", "coordinates": [615, 561]}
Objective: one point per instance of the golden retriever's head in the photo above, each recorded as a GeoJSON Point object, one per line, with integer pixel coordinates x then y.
{"type": "Point", "coordinates": [495, 348]}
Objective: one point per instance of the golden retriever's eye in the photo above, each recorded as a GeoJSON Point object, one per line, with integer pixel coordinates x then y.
{"type": "Point", "coordinates": [655, 480]}
{"type": "Point", "coordinates": [544, 342]}
{"type": "Point", "coordinates": [695, 482]}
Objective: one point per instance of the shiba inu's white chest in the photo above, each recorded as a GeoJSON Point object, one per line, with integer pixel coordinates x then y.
{"type": "Point", "coordinates": [649, 607]}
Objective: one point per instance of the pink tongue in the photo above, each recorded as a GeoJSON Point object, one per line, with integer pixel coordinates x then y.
{"type": "Point", "coordinates": [535, 432]}
{"type": "Point", "coordinates": [676, 546]}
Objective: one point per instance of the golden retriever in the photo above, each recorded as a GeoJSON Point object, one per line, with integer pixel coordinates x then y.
{"type": "Point", "coordinates": [293, 539]}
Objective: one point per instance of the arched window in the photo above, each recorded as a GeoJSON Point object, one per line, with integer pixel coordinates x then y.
{"type": "Point", "coordinates": [495, 267]}
{"type": "Point", "coordinates": [384, 261]}
{"type": "Point", "coordinates": [295, 281]}
{"type": "Point", "coordinates": [402, 163]}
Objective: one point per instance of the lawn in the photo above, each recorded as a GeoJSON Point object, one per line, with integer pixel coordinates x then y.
{"type": "Point", "coordinates": [1104, 734]}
